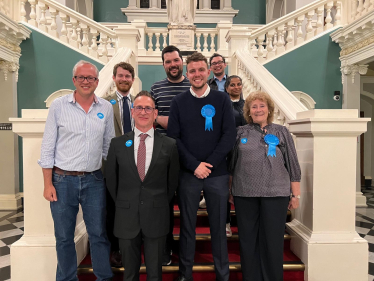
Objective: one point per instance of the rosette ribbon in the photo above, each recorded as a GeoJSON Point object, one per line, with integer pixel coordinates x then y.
{"type": "Point", "coordinates": [272, 141]}
{"type": "Point", "coordinates": [208, 111]}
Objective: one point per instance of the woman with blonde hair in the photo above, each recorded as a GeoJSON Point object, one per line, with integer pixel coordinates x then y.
{"type": "Point", "coordinates": [265, 182]}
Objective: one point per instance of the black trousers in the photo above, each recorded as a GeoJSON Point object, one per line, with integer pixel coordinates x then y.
{"type": "Point", "coordinates": [131, 257]}
{"type": "Point", "coordinates": [110, 213]}
{"type": "Point", "coordinates": [261, 225]}
{"type": "Point", "coordinates": [216, 194]}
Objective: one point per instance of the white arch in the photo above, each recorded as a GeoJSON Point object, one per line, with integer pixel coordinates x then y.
{"type": "Point", "coordinates": [56, 95]}
{"type": "Point", "coordinates": [368, 94]}
{"type": "Point", "coordinates": [305, 99]}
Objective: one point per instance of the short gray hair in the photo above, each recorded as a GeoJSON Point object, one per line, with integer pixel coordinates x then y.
{"type": "Point", "coordinates": [82, 62]}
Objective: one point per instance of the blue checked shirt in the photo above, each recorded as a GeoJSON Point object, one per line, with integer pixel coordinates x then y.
{"type": "Point", "coordinates": [75, 140]}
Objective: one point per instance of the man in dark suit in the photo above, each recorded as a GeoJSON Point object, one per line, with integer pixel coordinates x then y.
{"type": "Point", "coordinates": [142, 175]}
{"type": "Point", "coordinates": [121, 100]}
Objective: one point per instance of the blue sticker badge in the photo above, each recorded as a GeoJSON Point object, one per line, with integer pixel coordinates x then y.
{"type": "Point", "coordinates": [129, 143]}
{"type": "Point", "coordinates": [100, 115]}
{"type": "Point", "coordinates": [113, 101]}
{"type": "Point", "coordinates": [244, 140]}
{"type": "Point", "coordinates": [272, 141]}
{"type": "Point", "coordinates": [132, 105]}
{"type": "Point", "coordinates": [208, 111]}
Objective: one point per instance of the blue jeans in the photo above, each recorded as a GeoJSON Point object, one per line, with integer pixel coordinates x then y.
{"type": "Point", "coordinates": [89, 191]}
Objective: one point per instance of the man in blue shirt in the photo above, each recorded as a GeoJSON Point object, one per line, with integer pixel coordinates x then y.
{"type": "Point", "coordinates": [217, 66]}
{"type": "Point", "coordinates": [77, 135]}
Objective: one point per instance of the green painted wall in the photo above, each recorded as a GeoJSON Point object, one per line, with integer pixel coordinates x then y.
{"type": "Point", "coordinates": [45, 67]}
{"type": "Point", "coordinates": [313, 69]}
{"type": "Point", "coordinates": [250, 11]}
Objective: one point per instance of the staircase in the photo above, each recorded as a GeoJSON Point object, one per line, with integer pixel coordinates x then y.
{"type": "Point", "coordinates": [203, 268]}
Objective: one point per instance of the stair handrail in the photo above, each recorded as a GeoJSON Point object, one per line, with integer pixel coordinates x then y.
{"type": "Point", "coordinates": [95, 36]}
{"type": "Point", "coordinates": [256, 77]}
{"type": "Point", "coordinates": [296, 27]}
{"type": "Point", "coordinates": [106, 84]}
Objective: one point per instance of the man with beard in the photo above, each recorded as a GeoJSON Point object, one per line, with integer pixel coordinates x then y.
{"type": "Point", "coordinates": [218, 66]}
{"type": "Point", "coordinates": [121, 100]}
{"type": "Point", "coordinates": [163, 92]}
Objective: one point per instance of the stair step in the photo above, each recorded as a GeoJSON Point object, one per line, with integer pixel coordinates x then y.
{"type": "Point", "coordinates": [234, 266]}
{"type": "Point", "coordinates": [234, 237]}
{"type": "Point", "coordinates": [204, 213]}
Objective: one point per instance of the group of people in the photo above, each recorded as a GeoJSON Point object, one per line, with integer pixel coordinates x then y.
{"type": "Point", "coordinates": [124, 158]}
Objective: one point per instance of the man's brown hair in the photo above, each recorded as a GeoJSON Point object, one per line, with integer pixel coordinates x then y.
{"type": "Point", "coordinates": [125, 66]}
{"type": "Point", "coordinates": [196, 57]}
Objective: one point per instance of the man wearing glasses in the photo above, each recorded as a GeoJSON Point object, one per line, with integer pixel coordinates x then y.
{"type": "Point", "coordinates": [217, 66]}
{"type": "Point", "coordinates": [121, 100]}
{"type": "Point", "coordinates": [76, 138]}
{"type": "Point", "coordinates": [142, 176]}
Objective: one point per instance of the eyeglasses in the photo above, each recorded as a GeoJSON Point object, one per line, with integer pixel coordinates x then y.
{"type": "Point", "coordinates": [147, 109]}
{"type": "Point", "coordinates": [217, 63]}
{"type": "Point", "coordinates": [82, 78]}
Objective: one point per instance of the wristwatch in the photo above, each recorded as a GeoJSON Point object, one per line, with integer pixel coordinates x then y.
{"type": "Point", "coordinates": [295, 196]}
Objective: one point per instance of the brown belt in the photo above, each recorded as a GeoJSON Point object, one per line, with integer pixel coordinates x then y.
{"type": "Point", "coordinates": [59, 171]}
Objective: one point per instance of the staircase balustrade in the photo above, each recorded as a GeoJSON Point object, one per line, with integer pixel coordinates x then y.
{"type": "Point", "coordinates": [69, 26]}
{"type": "Point", "coordinates": [296, 28]}
{"type": "Point", "coordinates": [256, 77]}
{"type": "Point", "coordinates": [6, 7]}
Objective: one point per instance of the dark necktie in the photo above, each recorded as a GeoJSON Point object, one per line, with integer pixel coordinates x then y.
{"type": "Point", "coordinates": [126, 116]}
{"type": "Point", "coordinates": [141, 156]}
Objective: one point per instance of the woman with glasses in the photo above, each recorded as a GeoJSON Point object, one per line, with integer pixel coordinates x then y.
{"type": "Point", "coordinates": [265, 182]}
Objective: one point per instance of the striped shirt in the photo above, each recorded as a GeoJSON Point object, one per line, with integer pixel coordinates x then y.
{"type": "Point", "coordinates": [120, 105]}
{"type": "Point", "coordinates": [75, 140]}
{"type": "Point", "coordinates": [163, 92]}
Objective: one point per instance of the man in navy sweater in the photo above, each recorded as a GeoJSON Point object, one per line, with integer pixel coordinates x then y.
{"type": "Point", "coordinates": [202, 122]}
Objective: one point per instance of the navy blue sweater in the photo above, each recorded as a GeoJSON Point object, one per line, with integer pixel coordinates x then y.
{"type": "Point", "coordinates": [187, 126]}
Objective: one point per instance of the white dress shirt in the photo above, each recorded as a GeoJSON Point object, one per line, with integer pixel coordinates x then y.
{"type": "Point", "coordinates": [149, 141]}
{"type": "Point", "coordinates": [206, 93]}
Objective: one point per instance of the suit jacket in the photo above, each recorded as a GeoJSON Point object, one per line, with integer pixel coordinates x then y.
{"type": "Point", "coordinates": [142, 205]}
{"type": "Point", "coordinates": [117, 115]}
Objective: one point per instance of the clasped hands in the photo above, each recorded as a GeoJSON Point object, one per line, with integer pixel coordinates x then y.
{"type": "Point", "coordinates": [202, 171]}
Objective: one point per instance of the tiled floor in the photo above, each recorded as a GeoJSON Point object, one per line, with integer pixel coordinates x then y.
{"type": "Point", "coordinates": [11, 229]}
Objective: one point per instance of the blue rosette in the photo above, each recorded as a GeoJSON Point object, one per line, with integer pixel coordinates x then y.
{"type": "Point", "coordinates": [208, 111]}
{"type": "Point", "coordinates": [272, 141]}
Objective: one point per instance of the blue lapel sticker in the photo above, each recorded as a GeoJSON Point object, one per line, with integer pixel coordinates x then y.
{"type": "Point", "coordinates": [244, 140]}
{"type": "Point", "coordinates": [100, 115]}
{"type": "Point", "coordinates": [113, 101]}
{"type": "Point", "coordinates": [129, 143]}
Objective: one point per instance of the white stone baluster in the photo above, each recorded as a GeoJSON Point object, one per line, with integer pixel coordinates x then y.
{"type": "Point", "coordinates": [320, 17]}
{"type": "Point", "coordinates": [253, 47]}
{"type": "Point", "coordinates": [164, 36]}
{"type": "Point", "coordinates": [104, 52]}
{"type": "Point", "coordinates": [366, 6]}
{"type": "Point", "coordinates": [79, 40]}
{"type": "Point", "coordinates": [74, 35]}
{"type": "Point", "coordinates": [64, 31]}
{"type": "Point", "coordinates": [309, 27]}
{"type": "Point", "coordinates": [205, 42]}
{"type": "Point", "coordinates": [280, 44]}
{"type": "Point", "coordinates": [23, 10]}
{"type": "Point", "coordinates": [43, 20]}
{"type": "Point", "coordinates": [299, 33]}
{"type": "Point", "coordinates": [338, 15]}
{"type": "Point", "coordinates": [270, 47]}
{"type": "Point", "coordinates": [150, 44]}
{"type": "Point", "coordinates": [360, 8]}
{"type": "Point", "coordinates": [2, 8]}
{"type": "Point", "coordinates": [32, 20]}
{"type": "Point", "coordinates": [371, 6]}
{"type": "Point", "coordinates": [354, 10]}
{"type": "Point", "coordinates": [93, 49]}
{"type": "Point", "coordinates": [53, 28]}
{"type": "Point", "coordinates": [290, 31]}
{"type": "Point", "coordinates": [198, 45]}
{"type": "Point", "coordinates": [260, 51]}
{"type": "Point", "coordinates": [275, 40]}
{"type": "Point", "coordinates": [157, 42]}
{"type": "Point", "coordinates": [328, 19]}
{"type": "Point", "coordinates": [84, 46]}
{"type": "Point", "coordinates": [212, 44]}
